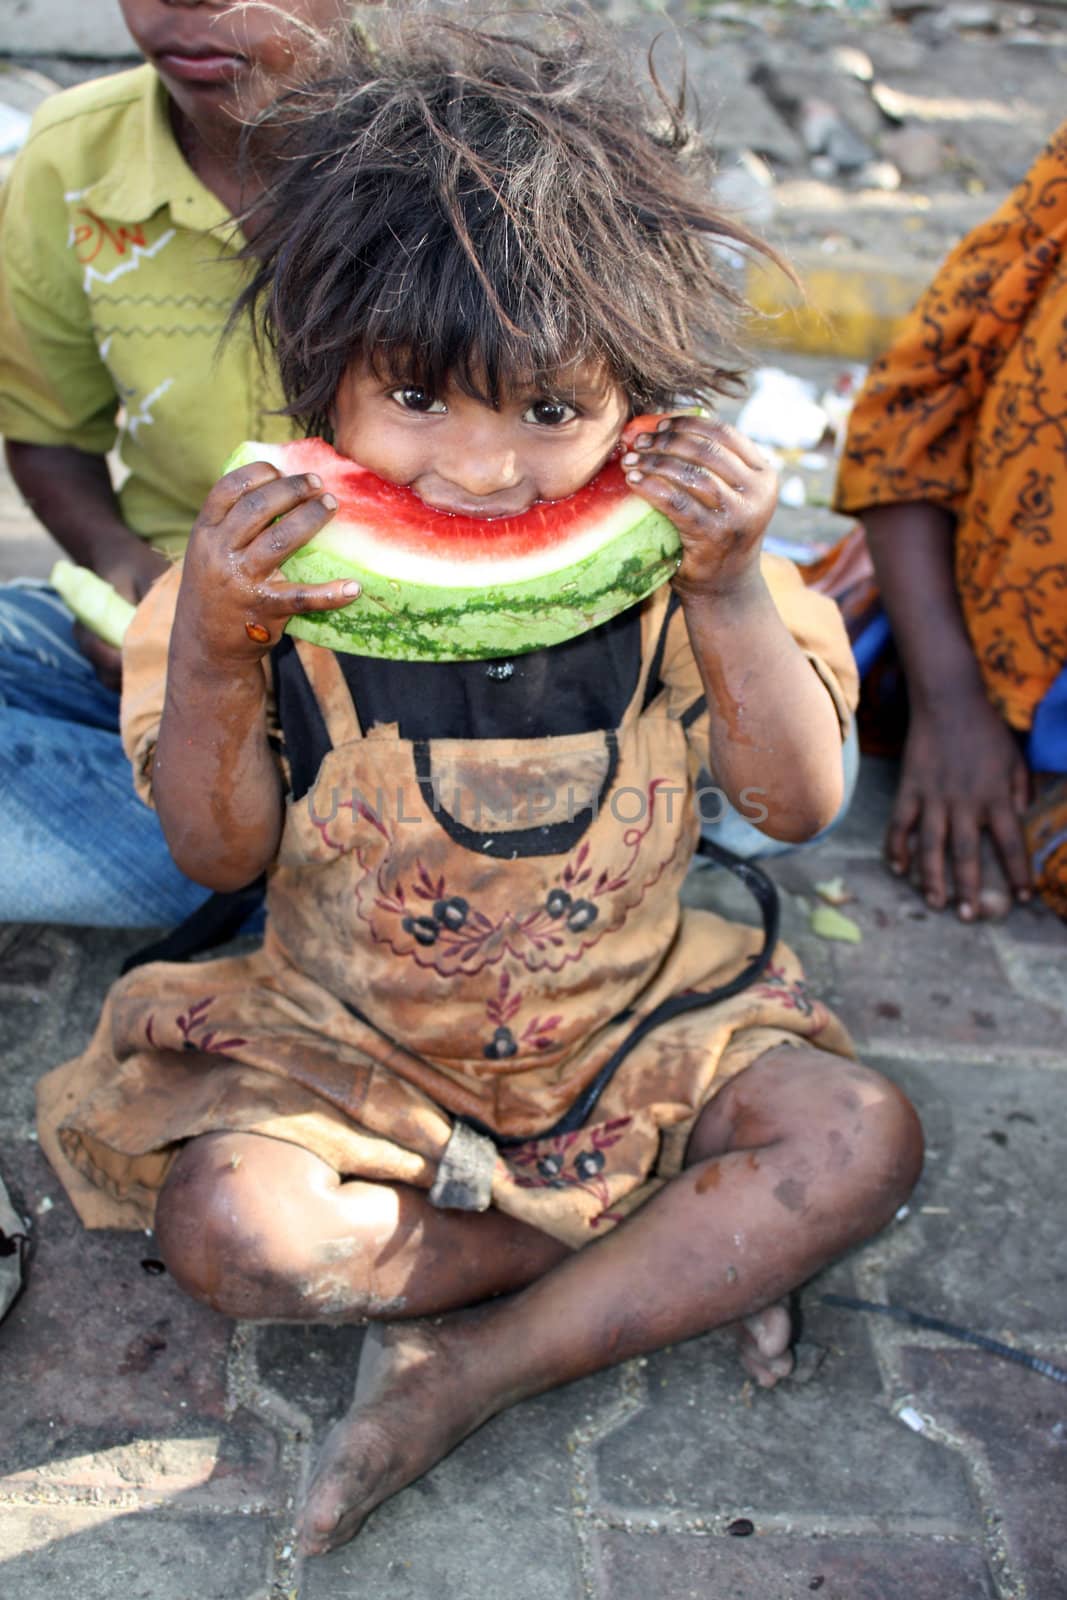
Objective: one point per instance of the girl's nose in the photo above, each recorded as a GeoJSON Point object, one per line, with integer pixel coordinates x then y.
{"type": "Point", "coordinates": [480, 470]}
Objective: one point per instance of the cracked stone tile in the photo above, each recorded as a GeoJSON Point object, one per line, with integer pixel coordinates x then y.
{"type": "Point", "coordinates": [50, 1006]}
{"type": "Point", "coordinates": [922, 980]}
{"type": "Point", "coordinates": [114, 1380]}
{"type": "Point", "coordinates": [494, 1517]}
{"type": "Point", "coordinates": [778, 1567]}
{"type": "Point", "coordinates": [987, 1218]}
{"type": "Point", "coordinates": [1017, 1420]}
{"type": "Point", "coordinates": [709, 1444]}
{"type": "Point", "coordinates": [97, 1554]}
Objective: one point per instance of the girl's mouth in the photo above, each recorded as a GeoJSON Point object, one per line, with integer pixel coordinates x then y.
{"type": "Point", "coordinates": [214, 67]}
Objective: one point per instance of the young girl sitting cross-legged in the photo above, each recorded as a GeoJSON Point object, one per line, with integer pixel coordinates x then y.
{"type": "Point", "coordinates": [481, 264]}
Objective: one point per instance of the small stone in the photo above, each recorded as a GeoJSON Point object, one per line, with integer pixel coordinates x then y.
{"type": "Point", "coordinates": [825, 134]}
{"type": "Point", "coordinates": [917, 152]}
{"type": "Point", "coordinates": [880, 175]}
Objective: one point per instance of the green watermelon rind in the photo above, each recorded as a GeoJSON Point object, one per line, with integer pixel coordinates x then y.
{"type": "Point", "coordinates": [405, 621]}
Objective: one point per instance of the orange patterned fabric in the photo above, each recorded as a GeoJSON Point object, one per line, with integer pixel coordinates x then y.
{"type": "Point", "coordinates": [968, 410]}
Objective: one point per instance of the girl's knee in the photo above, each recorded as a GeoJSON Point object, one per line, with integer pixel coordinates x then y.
{"type": "Point", "coordinates": [219, 1224]}
{"type": "Point", "coordinates": [838, 1118]}
{"type": "Point", "coordinates": [871, 1139]}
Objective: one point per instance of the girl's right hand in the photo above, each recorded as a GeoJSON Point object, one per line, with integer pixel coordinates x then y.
{"type": "Point", "coordinates": [234, 600]}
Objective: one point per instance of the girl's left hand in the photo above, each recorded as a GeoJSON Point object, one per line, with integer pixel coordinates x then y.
{"type": "Point", "coordinates": [717, 489]}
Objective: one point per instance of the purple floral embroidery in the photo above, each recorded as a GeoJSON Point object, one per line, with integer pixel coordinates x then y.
{"type": "Point", "coordinates": [187, 1023]}
{"type": "Point", "coordinates": [501, 1010]}
{"type": "Point", "coordinates": [464, 938]}
{"type": "Point", "coordinates": [571, 1161]}
{"type": "Point", "coordinates": [794, 995]}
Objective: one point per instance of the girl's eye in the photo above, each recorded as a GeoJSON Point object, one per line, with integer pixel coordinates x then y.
{"type": "Point", "coordinates": [413, 398]}
{"type": "Point", "coordinates": [549, 413]}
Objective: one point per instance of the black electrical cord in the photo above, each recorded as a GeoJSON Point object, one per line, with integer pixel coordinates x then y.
{"type": "Point", "coordinates": [919, 1319]}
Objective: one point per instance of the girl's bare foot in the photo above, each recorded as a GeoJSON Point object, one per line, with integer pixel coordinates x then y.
{"type": "Point", "coordinates": [764, 1343]}
{"type": "Point", "coordinates": [414, 1401]}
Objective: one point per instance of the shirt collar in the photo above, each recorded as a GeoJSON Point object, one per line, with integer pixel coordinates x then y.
{"type": "Point", "coordinates": [150, 172]}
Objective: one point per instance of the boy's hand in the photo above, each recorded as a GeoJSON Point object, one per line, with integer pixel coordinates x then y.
{"type": "Point", "coordinates": [716, 488]}
{"type": "Point", "coordinates": [132, 572]}
{"type": "Point", "coordinates": [234, 600]}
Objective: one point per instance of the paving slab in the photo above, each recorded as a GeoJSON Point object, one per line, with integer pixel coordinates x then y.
{"type": "Point", "coordinates": [1016, 1423]}
{"type": "Point", "coordinates": [984, 1228]}
{"type": "Point", "coordinates": [922, 981]}
{"type": "Point", "coordinates": [115, 1382]}
{"type": "Point", "coordinates": [496, 1517]}
{"type": "Point", "coordinates": [52, 984]}
{"type": "Point", "coordinates": [709, 1445]}
{"type": "Point", "coordinates": [779, 1568]}
{"type": "Point", "coordinates": [95, 1554]}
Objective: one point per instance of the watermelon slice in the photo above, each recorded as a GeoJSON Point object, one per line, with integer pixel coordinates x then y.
{"type": "Point", "coordinates": [93, 600]}
{"type": "Point", "coordinates": [438, 587]}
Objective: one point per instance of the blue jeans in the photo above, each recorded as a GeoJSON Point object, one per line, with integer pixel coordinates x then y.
{"type": "Point", "coordinates": [77, 846]}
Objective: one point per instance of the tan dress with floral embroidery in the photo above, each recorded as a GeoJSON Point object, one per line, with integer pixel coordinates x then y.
{"type": "Point", "coordinates": [459, 936]}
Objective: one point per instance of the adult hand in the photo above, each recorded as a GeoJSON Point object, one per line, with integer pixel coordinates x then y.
{"type": "Point", "coordinates": [963, 778]}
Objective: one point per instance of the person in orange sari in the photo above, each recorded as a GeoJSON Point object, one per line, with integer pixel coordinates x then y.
{"type": "Point", "coordinates": [956, 462]}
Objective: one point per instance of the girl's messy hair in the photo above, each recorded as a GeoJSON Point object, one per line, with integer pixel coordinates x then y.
{"type": "Point", "coordinates": [483, 207]}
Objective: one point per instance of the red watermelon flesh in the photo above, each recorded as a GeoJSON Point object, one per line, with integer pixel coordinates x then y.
{"type": "Point", "coordinates": [443, 587]}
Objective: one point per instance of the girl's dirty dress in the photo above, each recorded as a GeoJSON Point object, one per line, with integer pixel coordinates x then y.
{"type": "Point", "coordinates": [463, 927]}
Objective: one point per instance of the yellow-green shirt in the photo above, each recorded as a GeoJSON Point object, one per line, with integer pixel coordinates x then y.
{"type": "Point", "coordinates": [118, 271]}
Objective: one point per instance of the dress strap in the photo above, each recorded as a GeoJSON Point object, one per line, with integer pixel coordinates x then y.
{"type": "Point", "coordinates": [655, 625]}
{"type": "Point", "coordinates": [323, 672]}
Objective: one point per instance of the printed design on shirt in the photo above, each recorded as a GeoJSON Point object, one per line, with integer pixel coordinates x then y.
{"type": "Point", "coordinates": [143, 415]}
{"type": "Point", "coordinates": [501, 1010]}
{"type": "Point", "coordinates": [571, 1161]}
{"type": "Point", "coordinates": [430, 919]}
{"type": "Point", "coordinates": [189, 1030]}
{"type": "Point", "coordinates": [95, 241]}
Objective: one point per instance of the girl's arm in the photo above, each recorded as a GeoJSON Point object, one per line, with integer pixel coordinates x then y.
{"type": "Point", "coordinates": [215, 782]}
{"type": "Point", "coordinates": [962, 772]}
{"type": "Point", "coordinates": [774, 727]}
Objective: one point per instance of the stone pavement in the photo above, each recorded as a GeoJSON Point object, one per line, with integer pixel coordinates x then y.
{"type": "Point", "coordinates": [151, 1448]}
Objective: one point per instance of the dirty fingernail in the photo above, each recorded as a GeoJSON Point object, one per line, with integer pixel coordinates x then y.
{"type": "Point", "coordinates": [352, 588]}
{"type": "Point", "coordinates": [966, 911]}
{"type": "Point", "coordinates": [329, 501]}
{"type": "Point", "coordinates": [630, 459]}
{"type": "Point", "coordinates": [633, 477]}
{"type": "Point", "coordinates": [314, 481]}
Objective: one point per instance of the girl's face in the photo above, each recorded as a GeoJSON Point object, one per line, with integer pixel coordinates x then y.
{"type": "Point", "coordinates": [226, 54]}
{"type": "Point", "coordinates": [461, 455]}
